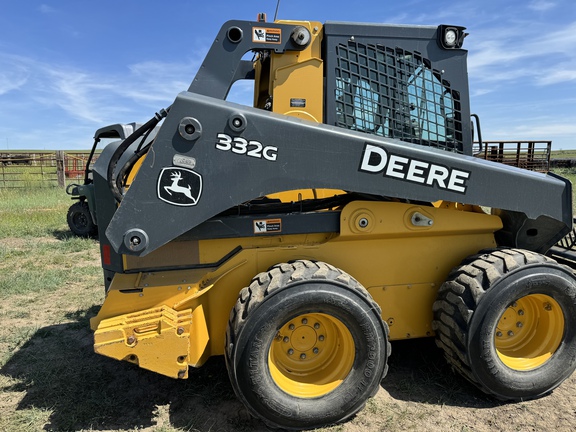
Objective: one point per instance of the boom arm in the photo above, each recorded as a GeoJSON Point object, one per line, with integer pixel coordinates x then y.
{"type": "Point", "coordinates": [225, 154]}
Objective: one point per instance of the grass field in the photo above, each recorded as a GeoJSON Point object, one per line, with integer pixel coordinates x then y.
{"type": "Point", "coordinates": [563, 154]}
{"type": "Point", "coordinates": [50, 378]}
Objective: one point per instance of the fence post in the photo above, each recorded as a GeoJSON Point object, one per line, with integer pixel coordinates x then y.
{"type": "Point", "coordinates": [60, 165]}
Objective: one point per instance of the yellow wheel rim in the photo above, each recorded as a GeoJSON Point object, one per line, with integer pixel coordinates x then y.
{"type": "Point", "coordinates": [529, 332]}
{"type": "Point", "coordinates": [311, 355]}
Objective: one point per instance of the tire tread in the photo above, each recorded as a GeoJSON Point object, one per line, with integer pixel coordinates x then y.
{"type": "Point", "coordinates": [461, 293]}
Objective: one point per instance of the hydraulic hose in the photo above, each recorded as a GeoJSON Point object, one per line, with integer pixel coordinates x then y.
{"type": "Point", "coordinates": [115, 181]}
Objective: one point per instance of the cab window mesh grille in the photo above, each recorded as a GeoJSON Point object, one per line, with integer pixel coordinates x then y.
{"type": "Point", "coordinates": [395, 93]}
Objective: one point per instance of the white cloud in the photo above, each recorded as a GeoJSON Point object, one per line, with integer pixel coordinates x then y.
{"type": "Point", "coordinates": [46, 9]}
{"type": "Point", "coordinates": [541, 5]}
{"type": "Point", "coordinates": [524, 52]}
{"type": "Point", "coordinates": [12, 78]}
{"type": "Point", "coordinates": [96, 98]}
{"type": "Point", "coordinates": [77, 93]}
{"type": "Point", "coordinates": [156, 82]}
{"type": "Point", "coordinates": [568, 73]}
{"type": "Point", "coordinates": [535, 129]}
{"type": "Point", "coordinates": [62, 97]}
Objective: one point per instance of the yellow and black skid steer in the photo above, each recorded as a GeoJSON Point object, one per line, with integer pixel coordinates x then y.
{"type": "Point", "coordinates": [345, 209]}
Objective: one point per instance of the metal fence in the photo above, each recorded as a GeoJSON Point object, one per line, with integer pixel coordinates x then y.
{"type": "Point", "coordinates": [532, 155]}
{"type": "Point", "coordinates": [26, 169]}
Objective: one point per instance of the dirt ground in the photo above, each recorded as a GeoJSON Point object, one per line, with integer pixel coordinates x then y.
{"type": "Point", "coordinates": [56, 370]}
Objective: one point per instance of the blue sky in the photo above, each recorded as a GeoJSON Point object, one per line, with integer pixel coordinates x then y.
{"type": "Point", "coordinates": [68, 67]}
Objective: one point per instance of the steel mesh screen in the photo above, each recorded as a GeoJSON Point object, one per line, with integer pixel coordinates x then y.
{"type": "Point", "coordinates": [395, 93]}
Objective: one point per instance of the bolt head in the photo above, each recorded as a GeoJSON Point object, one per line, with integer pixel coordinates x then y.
{"type": "Point", "coordinates": [180, 330]}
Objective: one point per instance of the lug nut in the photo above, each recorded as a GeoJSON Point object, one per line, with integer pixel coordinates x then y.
{"type": "Point", "coordinates": [291, 326]}
{"type": "Point", "coordinates": [286, 339]}
{"type": "Point", "coordinates": [290, 351]}
{"type": "Point", "coordinates": [302, 356]}
{"type": "Point", "coordinates": [547, 306]}
{"type": "Point", "coordinates": [499, 334]}
{"type": "Point", "coordinates": [304, 321]}
{"type": "Point", "coordinates": [315, 350]}
{"type": "Point", "coordinates": [321, 338]}
{"type": "Point", "coordinates": [519, 324]}
{"type": "Point", "coordinates": [316, 326]}
{"type": "Point", "coordinates": [510, 333]}
{"type": "Point", "coordinates": [521, 312]}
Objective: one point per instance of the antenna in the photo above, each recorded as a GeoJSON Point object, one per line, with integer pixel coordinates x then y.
{"type": "Point", "coordinates": [277, 6]}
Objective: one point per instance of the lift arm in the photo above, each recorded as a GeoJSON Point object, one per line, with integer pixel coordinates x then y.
{"type": "Point", "coordinates": [211, 155]}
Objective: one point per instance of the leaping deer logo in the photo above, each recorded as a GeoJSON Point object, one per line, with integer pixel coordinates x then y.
{"type": "Point", "coordinates": [176, 176]}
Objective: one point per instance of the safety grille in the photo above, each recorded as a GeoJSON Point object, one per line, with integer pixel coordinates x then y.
{"type": "Point", "coordinates": [395, 93]}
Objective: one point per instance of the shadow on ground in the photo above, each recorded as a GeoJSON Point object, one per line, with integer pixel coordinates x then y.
{"type": "Point", "coordinates": [418, 372]}
{"type": "Point", "coordinates": [58, 370]}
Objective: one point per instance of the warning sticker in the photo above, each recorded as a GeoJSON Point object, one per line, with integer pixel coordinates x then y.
{"type": "Point", "coordinates": [297, 103]}
{"type": "Point", "coordinates": [266, 35]}
{"type": "Point", "coordinates": [267, 226]}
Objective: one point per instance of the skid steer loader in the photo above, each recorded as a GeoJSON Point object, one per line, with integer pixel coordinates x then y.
{"type": "Point", "coordinates": [343, 210]}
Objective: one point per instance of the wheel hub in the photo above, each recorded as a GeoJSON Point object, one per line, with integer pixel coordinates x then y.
{"type": "Point", "coordinates": [311, 355]}
{"type": "Point", "coordinates": [529, 332]}
{"type": "Point", "coordinates": [304, 340]}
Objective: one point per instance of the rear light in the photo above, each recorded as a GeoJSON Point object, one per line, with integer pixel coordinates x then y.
{"type": "Point", "coordinates": [106, 255]}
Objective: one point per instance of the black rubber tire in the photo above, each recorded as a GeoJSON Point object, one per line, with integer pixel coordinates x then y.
{"type": "Point", "coordinates": [475, 297]}
{"type": "Point", "coordinates": [80, 221]}
{"type": "Point", "coordinates": [274, 298]}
